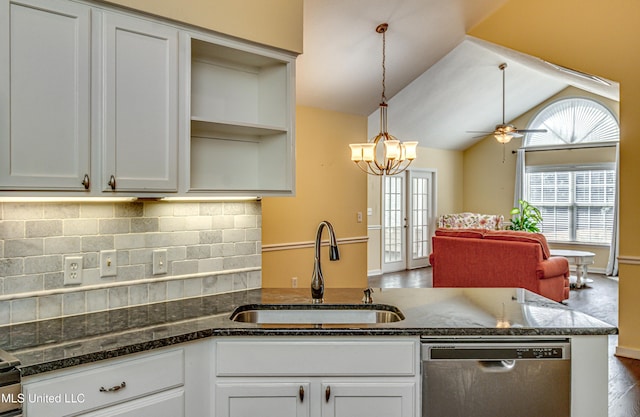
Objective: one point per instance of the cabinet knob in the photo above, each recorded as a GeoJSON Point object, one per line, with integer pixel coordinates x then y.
{"type": "Point", "coordinates": [327, 393]}
{"type": "Point", "coordinates": [113, 389]}
{"type": "Point", "coordinates": [112, 183]}
{"type": "Point", "coordinates": [86, 181]}
{"type": "Point", "coordinates": [301, 393]}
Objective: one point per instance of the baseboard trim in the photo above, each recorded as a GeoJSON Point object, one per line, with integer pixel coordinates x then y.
{"type": "Point", "coordinates": [628, 352]}
{"type": "Point", "coordinates": [374, 272]}
{"type": "Point", "coordinates": [311, 244]}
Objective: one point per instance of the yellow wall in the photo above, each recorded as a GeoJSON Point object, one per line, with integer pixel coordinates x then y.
{"type": "Point", "coordinates": [271, 22]}
{"type": "Point", "coordinates": [599, 38]}
{"type": "Point", "coordinates": [489, 182]}
{"type": "Point", "coordinates": [328, 187]}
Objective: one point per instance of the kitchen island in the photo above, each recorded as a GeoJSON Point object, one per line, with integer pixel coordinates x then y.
{"type": "Point", "coordinates": [68, 345]}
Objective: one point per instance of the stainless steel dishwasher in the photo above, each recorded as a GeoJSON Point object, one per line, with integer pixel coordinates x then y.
{"type": "Point", "coordinates": [496, 379]}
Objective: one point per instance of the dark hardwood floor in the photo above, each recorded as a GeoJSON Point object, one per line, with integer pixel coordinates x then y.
{"type": "Point", "coordinates": [598, 299]}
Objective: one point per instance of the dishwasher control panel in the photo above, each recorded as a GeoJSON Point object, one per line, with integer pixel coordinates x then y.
{"type": "Point", "coordinates": [495, 351]}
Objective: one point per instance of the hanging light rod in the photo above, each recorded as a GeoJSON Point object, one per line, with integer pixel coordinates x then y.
{"type": "Point", "coordinates": [392, 156]}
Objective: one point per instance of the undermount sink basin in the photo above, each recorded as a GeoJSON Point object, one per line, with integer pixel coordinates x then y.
{"type": "Point", "coordinates": [317, 314]}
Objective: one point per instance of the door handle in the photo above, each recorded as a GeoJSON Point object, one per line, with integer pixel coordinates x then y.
{"type": "Point", "coordinates": [112, 182]}
{"type": "Point", "coordinates": [327, 393]}
{"type": "Point", "coordinates": [301, 393]}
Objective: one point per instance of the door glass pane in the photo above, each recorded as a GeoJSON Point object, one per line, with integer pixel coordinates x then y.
{"type": "Point", "coordinates": [419, 218]}
{"type": "Point", "coordinates": [393, 219]}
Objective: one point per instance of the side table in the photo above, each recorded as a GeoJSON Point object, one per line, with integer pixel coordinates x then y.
{"type": "Point", "coordinates": [581, 259]}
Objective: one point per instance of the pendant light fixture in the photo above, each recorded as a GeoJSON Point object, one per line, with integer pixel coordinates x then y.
{"type": "Point", "coordinates": [383, 154]}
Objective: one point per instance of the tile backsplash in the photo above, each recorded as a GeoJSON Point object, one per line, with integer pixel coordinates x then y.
{"type": "Point", "coordinates": [212, 247]}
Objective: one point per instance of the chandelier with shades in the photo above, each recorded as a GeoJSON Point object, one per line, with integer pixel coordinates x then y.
{"type": "Point", "coordinates": [383, 154]}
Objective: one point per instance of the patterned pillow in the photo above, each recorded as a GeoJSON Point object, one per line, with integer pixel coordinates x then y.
{"type": "Point", "coordinates": [469, 233]}
{"type": "Point", "coordinates": [471, 221]}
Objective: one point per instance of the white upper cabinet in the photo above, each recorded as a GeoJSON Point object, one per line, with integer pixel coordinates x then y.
{"type": "Point", "coordinates": [140, 73]}
{"type": "Point", "coordinates": [241, 103]}
{"type": "Point", "coordinates": [44, 95]}
{"type": "Point", "coordinates": [99, 101]}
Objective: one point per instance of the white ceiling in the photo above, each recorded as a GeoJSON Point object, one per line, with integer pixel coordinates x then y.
{"type": "Point", "coordinates": [440, 83]}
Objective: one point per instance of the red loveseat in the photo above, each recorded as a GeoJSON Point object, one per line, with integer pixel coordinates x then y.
{"type": "Point", "coordinates": [498, 258]}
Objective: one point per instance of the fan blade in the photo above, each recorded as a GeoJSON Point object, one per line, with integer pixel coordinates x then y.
{"type": "Point", "coordinates": [479, 131]}
{"type": "Point", "coordinates": [531, 130]}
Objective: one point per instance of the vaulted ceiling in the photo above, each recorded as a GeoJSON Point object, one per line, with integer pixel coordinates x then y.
{"type": "Point", "coordinates": [440, 82]}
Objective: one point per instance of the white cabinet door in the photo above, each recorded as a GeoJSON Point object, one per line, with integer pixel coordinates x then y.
{"type": "Point", "coordinates": [140, 75]}
{"type": "Point", "coordinates": [44, 95]}
{"type": "Point", "coordinates": [368, 399]}
{"type": "Point", "coordinates": [276, 399]}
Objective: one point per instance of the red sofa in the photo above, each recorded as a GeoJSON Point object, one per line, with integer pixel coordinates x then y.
{"type": "Point", "coordinates": [498, 258]}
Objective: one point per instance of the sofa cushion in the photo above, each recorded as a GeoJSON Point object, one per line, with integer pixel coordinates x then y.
{"type": "Point", "coordinates": [519, 236]}
{"type": "Point", "coordinates": [468, 233]}
{"type": "Point", "coordinates": [469, 220]}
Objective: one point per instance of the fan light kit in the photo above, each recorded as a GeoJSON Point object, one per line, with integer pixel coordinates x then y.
{"type": "Point", "coordinates": [395, 156]}
{"type": "Point", "coordinates": [505, 132]}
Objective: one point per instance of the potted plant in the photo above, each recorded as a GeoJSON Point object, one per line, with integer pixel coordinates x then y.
{"type": "Point", "coordinates": [525, 218]}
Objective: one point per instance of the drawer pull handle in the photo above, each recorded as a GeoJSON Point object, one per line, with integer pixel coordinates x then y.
{"type": "Point", "coordinates": [327, 393]}
{"type": "Point", "coordinates": [112, 182]}
{"type": "Point", "coordinates": [113, 389]}
{"type": "Point", "coordinates": [301, 393]}
{"type": "Point", "coordinates": [86, 182]}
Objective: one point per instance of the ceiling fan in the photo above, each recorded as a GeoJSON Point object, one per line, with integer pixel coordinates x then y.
{"type": "Point", "coordinates": [505, 132]}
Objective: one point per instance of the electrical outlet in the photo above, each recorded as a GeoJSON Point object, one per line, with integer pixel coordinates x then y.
{"type": "Point", "coordinates": [294, 282]}
{"type": "Point", "coordinates": [72, 270]}
{"type": "Point", "coordinates": [108, 263]}
{"type": "Point", "coordinates": [159, 261]}
{"type": "Point", "coordinates": [359, 217]}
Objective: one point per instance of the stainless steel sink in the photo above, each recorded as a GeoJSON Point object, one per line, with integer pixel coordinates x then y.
{"type": "Point", "coordinates": [317, 314]}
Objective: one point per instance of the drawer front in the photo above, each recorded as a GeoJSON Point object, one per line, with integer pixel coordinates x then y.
{"type": "Point", "coordinates": [106, 384]}
{"type": "Point", "coordinates": [315, 357]}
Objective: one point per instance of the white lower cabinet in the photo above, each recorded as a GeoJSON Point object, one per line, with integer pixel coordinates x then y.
{"type": "Point", "coordinates": [317, 377]}
{"type": "Point", "coordinates": [168, 382]}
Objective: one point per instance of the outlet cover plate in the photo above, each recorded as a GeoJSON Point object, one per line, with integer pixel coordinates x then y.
{"type": "Point", "coordinates": [72, 270]}
{"type": "Point", "coordinates": [159, 261]}
{"type": "Point", "coordinates": [108, 263]}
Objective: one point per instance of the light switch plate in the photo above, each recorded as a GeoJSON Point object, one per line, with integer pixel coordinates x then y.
{"type": "Point", "coordinates": [159, 261]}
{"type": "Point", "coordinates": [108, 263]}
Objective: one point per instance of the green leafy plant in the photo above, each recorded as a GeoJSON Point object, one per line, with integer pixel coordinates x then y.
{"type": "Point", "coordinates": [525, 218]}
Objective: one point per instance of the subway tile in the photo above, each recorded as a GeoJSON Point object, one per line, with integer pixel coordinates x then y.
{"type": "Point", "coordinates": [23, 247]}
{"type": "Point", "coordinates": [254, 280]}
{"type": "Point", "coordinates": [254, 261]}
{"type": "Point", "coordinates": [186, 209]}
{"type": "Point", "coordinates": [61, 210]}
{"type": "Point", "coordinates": [210, 265]}
{"type": "Point", "coordinates": [140, 256]}
{"type": "Point", "coordinates": [171, 224]}
{"type": "Point", "coordinates": [12, 229]}
{"type": "Point", "coordinates": [118, 297]}
{"type": "Point", "coordinates": [193, 287]}
{"type": "Point", "coordinates": [97, 211]}
{"type": "Point", "coordinates": [217, 250]}
{"type": "Point", "coordinates": [62, 245]}
{"type": "Point", "coordinates": [49, 306]}
{"type": "Point", "coordinates": [158, 209]}
{"type": "Point", "coordinates": [25, 309]}
{"type": "Point", "coordinates": [253, 234]}
{"type": "Point", "coordinates": [244, 221]}
{"type": "Point", "coordinates": [222, 222]}
{"type": "Point", "coordinates": [11, 266]}
{"type": "Point", "coordinates": [232, 209]}
{"type": "Point", "coordinates": [138, 294]}
{"type": "Point", "coordinates": [23, 283]}
{"type": "Point", "coordinates": [198, 252]}
{"type": "Point", "coordinates": [55, 280]}
{"type": "Point", "coordinates": [253, 207]}
{"type": "Point", "coordinates": [239, 281]}
{"type": "Point", "coordinates": [22, 211]}
{"type": "Point", "coordinates": [235, 262]}
{"type": "Point", "coordinates": [5, 313]}
{"type": "Point", "coordinates": [130, 272]}
{"type": "Point", "coordinates": [245, 248]}
{"type": "Point", "coordinates": [114, 226]}
{"type": "Point", "coordinates": [224, 283]}
{"type": "Point", "coordinates": [97, 243]}
{"type": "Point", "coordinates": [129, 210]}
{"type": "Point", "coordinates": [157, 292]}
{"type": "Point", "coordinates": [90, 260]}
{"type": "Point", "coordinates": [228, 249]}
{"type": "Point", "coordinates": [211, 236]}
{"type": "Point", "coordinates": [97, 300]}
{"type": "Point", "coordinates": [175, 290]}
{"type": "Point", "coordinates": [233, 235]}
{"type": "Point", "coordinates": [177, 253]}
{"type": "Point", "coordinates": [145, 225]}
{"type": "Point", "coordinates": [80, 227]}
{"type": "Point", "coordinates": [209, 285]}
{"type": "Point", "coordinates": [74, 303]}
{"type": "Point", "coordinates": [197, 223]}
{"type": "Point", "coordinates": [211, 209]}
{"type": "Point", "coordinates": [40, 264]}
{"type": "Point", "coordinates": [184, 267]}
{"type": "Point", "coordinates": [130, 241]}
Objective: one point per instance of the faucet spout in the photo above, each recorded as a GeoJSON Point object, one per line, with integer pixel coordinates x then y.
{"type": "Point", "coordinates": [317, 280]}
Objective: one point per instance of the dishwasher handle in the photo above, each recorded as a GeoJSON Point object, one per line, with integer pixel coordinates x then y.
{"type": "Point", "coordinates": [497, 366]}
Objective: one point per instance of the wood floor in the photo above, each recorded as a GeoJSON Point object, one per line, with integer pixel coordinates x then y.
{"type": "Point", "coordinates": [599, 299]}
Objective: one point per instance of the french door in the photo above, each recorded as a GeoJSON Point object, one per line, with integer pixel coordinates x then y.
{"type": "Point", "coordinates": [407, 212]}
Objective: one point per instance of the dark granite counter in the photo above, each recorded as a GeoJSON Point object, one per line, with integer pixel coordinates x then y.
{"type": "Point", "coordinates": [47, 345]}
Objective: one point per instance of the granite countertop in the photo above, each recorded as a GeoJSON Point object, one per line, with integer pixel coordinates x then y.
{"type": "Point", "coordinates": [47, 345]}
